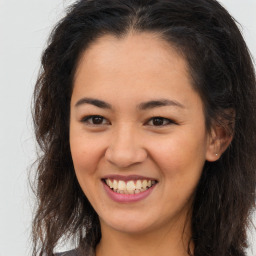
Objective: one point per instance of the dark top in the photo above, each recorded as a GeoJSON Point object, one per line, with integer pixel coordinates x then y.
{"type": "Point", "coordinates": [69, 253]}
{"type": "Point", "coordinates": [75, 253]}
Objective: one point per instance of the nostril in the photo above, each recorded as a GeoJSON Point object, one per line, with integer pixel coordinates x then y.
{"type": "Point", "coordinates": [124, 157]}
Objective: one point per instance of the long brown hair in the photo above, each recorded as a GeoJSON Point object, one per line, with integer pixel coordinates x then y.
{"type": "Point", "coordinates": [222, 71]}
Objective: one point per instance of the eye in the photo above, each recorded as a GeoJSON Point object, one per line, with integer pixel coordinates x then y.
{"type": "Point", "coordinates": [160, 121]}
{"type": "Point", "coordinates": [95, 120]}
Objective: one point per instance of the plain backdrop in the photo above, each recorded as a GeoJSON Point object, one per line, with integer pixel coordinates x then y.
{"type": "Point", "coordinates": [24, 28]}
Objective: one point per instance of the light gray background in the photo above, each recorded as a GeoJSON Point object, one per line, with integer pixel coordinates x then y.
{"type": "Point", "coordinates": [24, 28]}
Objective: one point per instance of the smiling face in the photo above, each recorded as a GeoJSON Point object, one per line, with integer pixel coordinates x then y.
{"type": "Point", "coordinates": [135, 117]}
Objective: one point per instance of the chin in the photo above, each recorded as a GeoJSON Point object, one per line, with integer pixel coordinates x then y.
{"type": "Point", "coordinates": [128, 224]}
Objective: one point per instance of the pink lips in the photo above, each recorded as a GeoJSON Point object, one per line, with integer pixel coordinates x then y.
{"type": "Point", "coordinates": [127, 198]}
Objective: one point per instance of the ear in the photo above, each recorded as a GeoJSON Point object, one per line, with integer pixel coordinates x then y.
{"type": "Point", "coordinates": [219, 139]}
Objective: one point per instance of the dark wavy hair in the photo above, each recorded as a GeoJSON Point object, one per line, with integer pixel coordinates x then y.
{"type": "Point", "coordinates": [220, 65]}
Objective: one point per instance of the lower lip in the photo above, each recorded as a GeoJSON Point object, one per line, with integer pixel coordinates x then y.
{"type": "Point", "coordinates": [127, 198]}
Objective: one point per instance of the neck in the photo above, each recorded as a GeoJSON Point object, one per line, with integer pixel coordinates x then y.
{"type": "Point", "coordinates": [168, 240]}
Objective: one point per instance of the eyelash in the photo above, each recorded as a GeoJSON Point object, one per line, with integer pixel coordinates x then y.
{"type": "Point", "coordinates": [87, 118]}
{"type": "Point", "coordinates": [164, 121]}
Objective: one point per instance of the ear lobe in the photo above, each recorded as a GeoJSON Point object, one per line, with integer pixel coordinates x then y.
{"type": "Point", "coordinates": [219, 140]}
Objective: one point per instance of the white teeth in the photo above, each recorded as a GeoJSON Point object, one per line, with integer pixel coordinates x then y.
{"type": "Point", "coordinates": [138, 184]}
{"type": "Point", "coordinates": [144, 184]}
{"type": "Point", "coordinates": [131, 187]}
{"type": "Point", "coordinates": [110, 183]}
{"type": "Point", "coordinates": [121, 185]}
{"type": "Point", "coordinates": [115, 184]}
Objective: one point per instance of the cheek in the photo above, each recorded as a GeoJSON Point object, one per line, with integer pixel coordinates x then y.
{"type": "Point", "coordinates": [85, 154]}
{"type": "Point", "coordinates": [181, 155]}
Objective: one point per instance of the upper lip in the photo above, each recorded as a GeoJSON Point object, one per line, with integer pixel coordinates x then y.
{"type": "Point", "coordinates": [128, 177]}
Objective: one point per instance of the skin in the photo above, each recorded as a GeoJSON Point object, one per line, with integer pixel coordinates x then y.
{"type": "Point", "coordinates": [124, 73]}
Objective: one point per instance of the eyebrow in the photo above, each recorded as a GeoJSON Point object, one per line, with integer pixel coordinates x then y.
{"type": "Point", "coordinates": [95, 102]}
{"type": "Point", "coordinates": [142, 106]}
{"type": "Point", "coordinates": [159, 103]}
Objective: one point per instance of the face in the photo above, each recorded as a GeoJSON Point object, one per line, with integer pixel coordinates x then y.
{"type": "Point", "coordinates": [137, 132]}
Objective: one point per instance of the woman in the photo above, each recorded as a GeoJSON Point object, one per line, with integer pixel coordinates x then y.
{"type": "Point", "coordinates": [145, 114]}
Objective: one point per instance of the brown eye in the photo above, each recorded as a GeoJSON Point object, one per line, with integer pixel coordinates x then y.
{"type": "Point", "coordinates": [95, 120]}
{"type": "Point", "coordinates": [159, 121]}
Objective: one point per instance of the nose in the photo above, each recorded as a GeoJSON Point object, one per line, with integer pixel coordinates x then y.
{"type": "Point", "coordinates": [125, 148]}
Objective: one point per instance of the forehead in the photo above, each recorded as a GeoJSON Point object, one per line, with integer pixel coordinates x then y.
{"type": "Point", "coordinates": [146, 50]}
{"type": "Point", "coordinates": [139, 66]}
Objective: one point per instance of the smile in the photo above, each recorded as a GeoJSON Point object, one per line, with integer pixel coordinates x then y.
{"type": "Point", "coordinates": [130, 186]}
